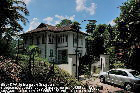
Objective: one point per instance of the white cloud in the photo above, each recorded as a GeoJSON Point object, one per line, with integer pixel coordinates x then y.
{"type": "Point", "coordinates": [33, 24]}
{"type": "Point", "coordinates": [112, 23]}
{"type": "Point", "coordinates": [27, 1]}
{"type": "Point", "coordinates": [57, 19]}
{"type": "Point", "coordinates": [48, 20]}
{"type": "Point", "coordinates": [72, 18]}
{"type": "Point", "coordinates": [80, 6]}
{"type": "Point", "coordinates": [57, 22]}
{"type": "Point", "coordinates": [65, 17]}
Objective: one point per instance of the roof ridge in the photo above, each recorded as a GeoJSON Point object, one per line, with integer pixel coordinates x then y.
{"type": "Point", "coordinates": [48, 27]}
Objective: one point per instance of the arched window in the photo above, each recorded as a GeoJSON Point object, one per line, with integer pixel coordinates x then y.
{"type": "Point", "coordinates": [51, 52]}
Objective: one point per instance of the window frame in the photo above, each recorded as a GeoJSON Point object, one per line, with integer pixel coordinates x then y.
{"type": "Point", "coordinates": [51, 53]}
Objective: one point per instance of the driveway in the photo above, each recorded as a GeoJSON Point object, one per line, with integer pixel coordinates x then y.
{"type": "Point", "coordinates": [107, 88]}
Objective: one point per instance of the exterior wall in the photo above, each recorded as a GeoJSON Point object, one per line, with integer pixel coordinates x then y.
{"type": "Point", "coordinates": [51, 46]}
{"type": "Point", "coordinates": [64, 43]}
{"type": "Point", "coordinates": [71, 66]}
{"type": "Point", "coordinates": [69, 46]}
{"type": "Point", "coordinates": [40, 45]}
{"type": "Point", "coordinates": [67, 67]}
{"type": "Point", "coordinates": [104, 63]}
{"type": "Point", "coordinates": [70, 43]}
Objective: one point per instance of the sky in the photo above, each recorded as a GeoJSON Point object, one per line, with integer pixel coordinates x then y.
{"type": "Point", "coordinates": [53, 11]}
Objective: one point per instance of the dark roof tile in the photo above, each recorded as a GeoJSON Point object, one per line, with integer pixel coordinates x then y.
{"type": "Point", "coordinates": [46, 27]}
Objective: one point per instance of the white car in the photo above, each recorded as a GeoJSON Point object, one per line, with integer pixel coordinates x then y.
{"type": "Point", "coordinates": [128, 78]}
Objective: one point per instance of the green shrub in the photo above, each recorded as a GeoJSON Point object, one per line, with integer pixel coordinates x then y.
{"type": "Point", "coordinates": [33, 49]}
{"type": "Point", "coordinates": [44, 73]}
{"type": "Point", "coordinates": [118, 65]}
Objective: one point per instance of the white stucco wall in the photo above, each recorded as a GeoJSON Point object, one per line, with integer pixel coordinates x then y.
{"type": "Point", "coordinates": [67, 67]}
{"type": "Point", "coordinates": [61, 46]}
{"type": "Point", "coordinates": [105, 62]}
{"type": "Point", "coordinates": [71, 66]}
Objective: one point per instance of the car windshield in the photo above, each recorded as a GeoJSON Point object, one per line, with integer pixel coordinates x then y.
{"type": "Point", "coordinates": [135, 73]}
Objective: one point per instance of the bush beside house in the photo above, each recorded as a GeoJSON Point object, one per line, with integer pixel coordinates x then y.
{"type": "Point", "coordinates": [41, 73]}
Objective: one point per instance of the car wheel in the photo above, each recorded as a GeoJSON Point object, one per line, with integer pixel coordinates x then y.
{"type": "Point", "coordinates": [102, 79]}
{"type": "Point", "coordinates": [128, 87]}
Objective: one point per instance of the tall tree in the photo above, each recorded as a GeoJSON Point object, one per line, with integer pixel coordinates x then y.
{"type": "Point", "coordinates": [12, 13]}
{"type": "Point", "coordinates": [90, 27]}
{"type": "Point", "coordinates": [129, 21]}
{"type": "Point", "coordinates": [64, 22]}
{"type": "Point", "coordinates": [127, 25]}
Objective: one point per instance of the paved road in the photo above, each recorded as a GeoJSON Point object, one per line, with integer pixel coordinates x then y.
{"type": "Point", "coordinates": [106, 87]}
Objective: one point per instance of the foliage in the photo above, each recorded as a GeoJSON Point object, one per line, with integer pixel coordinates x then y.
{"type": "Point", "coordinates": [101, 28]}
{"type": "Point", "coordinates": [83, 69]}
{"type": "Point", "coordinates": [97, 40]}
{"type": "Point", "coordinates": [119, 64]}
{"type": "Point", "coordinates": [33, 50]}
{"type": "Point", "coordinates": [12, 13]}
{"type": "Point", "coordinates": [9, 71]}
{"type": "Point", "coordinates": [64, 22]}
{"type": "Point", "coordinates": [127, 24]}
{"type": "Point", "coordinates": [43, 73]}
{"type": "Point", "coordinates": [90, 27]}
{"type": "Point", "coordinates": [76, 23]}
{"type": "Point", "coordinates": [103, 41]}
{"type": "Point", "coordinates": [8, 48]}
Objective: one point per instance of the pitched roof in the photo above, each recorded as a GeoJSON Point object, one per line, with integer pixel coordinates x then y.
{"type": "Point", "coordinates": [45, 27]}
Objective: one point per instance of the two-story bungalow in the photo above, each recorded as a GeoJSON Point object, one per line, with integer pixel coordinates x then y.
{"type": "Point", "coordinates": [57, 44]}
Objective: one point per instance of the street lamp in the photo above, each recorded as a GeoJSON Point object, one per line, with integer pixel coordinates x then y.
{"type": "Point", "coordinates": [94, 21]}
{"type": "Point", "coordinates": [77, 30]}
